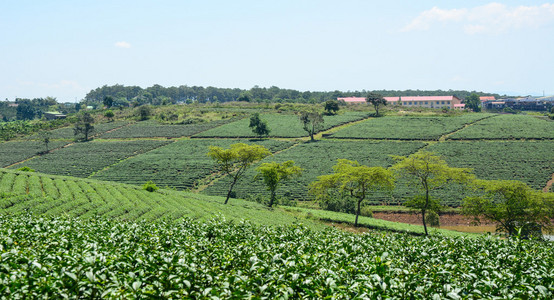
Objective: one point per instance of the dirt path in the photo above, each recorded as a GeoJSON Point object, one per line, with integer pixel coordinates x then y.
{"type": "Point", "coordinates": [446, 219]}
{"type": "Point", "coordinates": [549, 184]}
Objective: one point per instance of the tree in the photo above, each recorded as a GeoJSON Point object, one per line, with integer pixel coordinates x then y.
{"type": "Point", "coordinates": [84, 125]}
{"type": "Point", "coordinates": [376, 100]}
{"type": "Point", "coordinates": [108, 101]}
{"type": "Point", "coordinates": [25, 110]}
{"type": "Point", "coordinates": [45, 139]}
{"type": "Point", "coordinates": [428, 172]}
{"type": "Point", "coordinates": [511, 204]}
{"type": "Point", "coordinates": [473, 102]}
{"type": "Point", "coordinates": [331, 107]}
{"type": "Point", "coordinates": [109, 114]}
{"type": "Point", "coordinates": [144, 112]}
{"type": "Point", "coordinates": [274, 173]}
{"type": "Point", "coordinates": [259, 126]}
{"type": "Point", "coordinates": [352, 180]}
{"type": "Point", "coordinates": [312, 122]}
{"type": "Point", "coordinates": [234, 161]}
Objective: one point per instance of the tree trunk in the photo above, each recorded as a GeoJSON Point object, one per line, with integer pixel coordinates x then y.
{"type": "Point", "coordinates": [358, 213]}
{"type": "Point", "coordinates": [272, 199]}
{"type": "Point", "coordinates": [423, 219]}
{"type": "Point", "coordinates": [229, 192]}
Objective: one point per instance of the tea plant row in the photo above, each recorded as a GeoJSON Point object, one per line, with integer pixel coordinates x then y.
{"type": "Point", "coordinates": [73, 258]}
{"type": "Point", "coordinates": [508, 127]}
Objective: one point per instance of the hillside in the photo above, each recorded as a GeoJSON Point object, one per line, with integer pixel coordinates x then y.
{"type": "Point", "coordinates": [49, 195]}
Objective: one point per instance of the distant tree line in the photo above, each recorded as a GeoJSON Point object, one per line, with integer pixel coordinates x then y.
{"type": "Point", "coordinates": [159, 95]}
{"type": "Point", "coordinates": [30, 109]}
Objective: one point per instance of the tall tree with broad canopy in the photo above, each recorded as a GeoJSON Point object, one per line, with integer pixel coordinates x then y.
{"type": "Point", "coordinates": [473, 102]}
{"type": "Point", "coordinates": [312, 122]}
{"type": "Point", "coordinates": [84, 126]}
{"type": "Point", "coordinates": [514, 206]}
{"type": "Point", "coordinates": [376, 100]}
{"type": "Point", "coordinates": [351, 179]}
{"type": "Point", "coordinates": [236, 160]}
{"type": "Point", "coordinates": [428, 172]}
{"type": "Point", "coordinates": [259, 126]}
{"type": "Point", "coordinates": [331, 107]}
{"type": "Point", "coordinates": [274, 173]}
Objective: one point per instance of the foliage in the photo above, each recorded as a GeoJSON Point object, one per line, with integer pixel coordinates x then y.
{"type": "Point", "coordinates": [235, 161]}
{"type": "Point", "coordinates": [473, 102]}
{"type": "Point", "coordinates": [428, 172]}
{"type": "Point", "coordinates": [376, 100]}
{"type": "Point", "coordinates": [108, 101]}
{"type": "Point", "coordinates": [351, 179]}
{"type": "Point", "coordinates": [26, 169]}
{"type": "Point", "coordinates": [258, 126]}
{"type": "Point", "coordinates": [109, 114]}
{"type": "Point", "coordinates": [45, 137]}
{"type": "Point", "coordinates": [504, 127]}
{"type": "Point", "coordinates": [433, 219]}
{"type": "Point", "coordinates": [407, 127]}
{"type": "Point", "coordinates": [312, 122]}
{"type": "Point", "coordinates": [274, 173]}
{"type": "Point", "coordinates": [512, 205]}
{"type": "Point", "coordinates": [144, 112]}
{"type": "Point", "coordinates": [319, 158]}
{"type": "Point", "coordinates": [84, 126]}
{"type": "Point", "coordinates": [331, 107]}
{"type": "Point", "coordinates": [150, 186]}
{"type": "Point", "coordinates": [73, 258]}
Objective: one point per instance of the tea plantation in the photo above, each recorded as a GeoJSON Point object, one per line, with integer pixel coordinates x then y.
{"type": "Point", "coordinates": [71, 258]}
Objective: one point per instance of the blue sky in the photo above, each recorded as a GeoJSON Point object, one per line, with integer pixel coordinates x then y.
{"type": "Point", "coordinates": [66, 48]}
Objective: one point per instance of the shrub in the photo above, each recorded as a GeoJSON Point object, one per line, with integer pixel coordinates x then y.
{"type": "Point", "coordinates": [150, 186]}
{"type": "Point", "coordinates": [432, 218]}
{"type": "Point", "coordinates": [366, 212]}
{"type": "Point", "coordinates": [26, 169]}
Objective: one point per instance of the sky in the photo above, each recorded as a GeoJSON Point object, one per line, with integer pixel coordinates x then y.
{"type": "Point", "coordinates": [64, 49]}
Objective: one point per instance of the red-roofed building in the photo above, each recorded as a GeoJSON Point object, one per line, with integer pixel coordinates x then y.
{"type": "Point", "coordinates": [487, 98]}
{"type": "Point", "coordinates": [415, 101]}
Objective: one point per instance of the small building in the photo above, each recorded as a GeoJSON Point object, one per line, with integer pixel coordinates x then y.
{"type": "Point", "coordinates": [416, 101]}
{"type": "Point", "coordinates": [53, 115]}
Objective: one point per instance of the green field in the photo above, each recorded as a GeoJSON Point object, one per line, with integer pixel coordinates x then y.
{"type": "Point", "coordinates": [63, 257]}
{"type": "Point", "coordinates": [151, 128]}
{"type": "Point", "coordinates": [180, 165]}
{"type": "Point", "coordinates": [16, 151]}
{"type": "Point", "coordinates": [316, 159]}
{"type": "Point", "coordinates": [83, 159]}
{"type": "Point", "coordinates": [281, 125]}
{"type": "Point", "coordinates": [531, 161]}
{"type": "Point", "coordinates": [407, 127]}
{"type": "Point", "coordinates": [68, 133]}
{"type": "Point", "coordinates": [508, 127]}
{"type": "Point", "coordinates": [44, 195]}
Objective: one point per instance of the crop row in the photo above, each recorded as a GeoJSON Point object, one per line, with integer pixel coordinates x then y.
{"type": "Point", "coordinates": [407, 127]}
{"type": "Point", "coordinates": [51, 196]}
{"type": "Point", "coordinates": [72, 258]}
{"type": "Point", "coordinates": [148, 129]}
{"type": "Point", "coordinates": [180, 165]}
{"type": "Point", "coordinates": [318, 159]}
{"type": "Point", "coordinates": [531, 161]}
{"type": "Point", "coordinates": [508, 127]}
{"type": "Point", "coordinates": [280, 125]}
{"type": "Point", "coordinates": [83, 159]}
{"type": "Point", "coordinates": [68, 132]}
{"type": "Point", "coordinates": [16, 151]}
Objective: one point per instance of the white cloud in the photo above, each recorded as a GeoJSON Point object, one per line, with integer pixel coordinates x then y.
{"type": "Point", "coordinates": [491, 18]}
{"type": "Point", "coordinates": [123, 44]}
